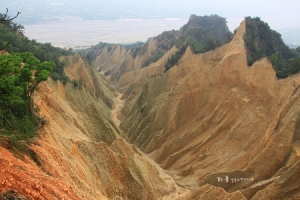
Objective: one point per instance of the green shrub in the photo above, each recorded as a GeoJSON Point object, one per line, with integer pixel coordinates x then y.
{"type": "Point", "coordinates": [75, 83]}
{"type": "Point", "coordinates": [155, 56]}
{"type": "Point", "coordinates": [174, 59]}
{"type": "Point", "coordinates": [19, 79]}
{"type": "Point", "coordinates": [13, 33]}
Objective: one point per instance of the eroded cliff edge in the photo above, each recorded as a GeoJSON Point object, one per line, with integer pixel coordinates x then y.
{"type": "Point", "coordinates": [213, 117]}
{"type": "Point", "coordinates": [209, 122]}
{"type": "Point", "coordinates": [83, 154]}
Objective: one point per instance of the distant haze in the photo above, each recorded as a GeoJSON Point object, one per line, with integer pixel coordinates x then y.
{"type": "Point", "coordinates": [91, 32]}
{"type": "Point", "coordinates": [64, 16]}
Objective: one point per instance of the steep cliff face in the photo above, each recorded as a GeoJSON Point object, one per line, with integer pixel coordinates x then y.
{"type": "Point", "coordinates": [28, 180]}
{"type": "Point", "coordinates": [118, 62]}
{"type": "Point", "coordinates": [89, 78]}
{"type": "Point", "coordinates": [121, 67]}
{"type": "Point", "coordinates": [109, 57]}
{"type": "Point", "coordinates": [82, 152]}
{"type": "Point", "coordinates": [213, 117]}
{"type": "Point", "coordinates": [219, 129]}
{"type": "Point", "coordinates": [202, 33]}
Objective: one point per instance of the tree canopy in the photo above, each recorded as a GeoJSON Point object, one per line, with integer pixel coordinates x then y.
{"type": "Point", "coordinates": [262, 41]}
{"type": "Point", "coordinates": [20, 74]}
{"type": "Point", "coordinates": [21, 71]}
{"type": "Point", "coordinates": [12, 39]}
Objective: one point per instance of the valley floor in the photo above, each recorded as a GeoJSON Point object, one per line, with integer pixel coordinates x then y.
{"type": "Point", "coordinates": [180, 193]}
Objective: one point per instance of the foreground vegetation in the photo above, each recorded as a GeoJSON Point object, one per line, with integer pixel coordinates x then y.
{"type": "Point", "coordinates": [20, 74]}
{"type": "Point", "coordinates": [24, 64]}
{"type": "Point", "coordinates": [12, 34]}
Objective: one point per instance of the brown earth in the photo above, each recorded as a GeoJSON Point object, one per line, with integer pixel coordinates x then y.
{"type": "Point", "coordinates": [83, 153]}
{"type": "Point", "coordinates": [111, 56]}
{"type": "Point", "coordinates": [210, 128]}
{"type": "Point", "coordinates": [24, 177]}
{"type": "Point", "coordinates": [213, 116]}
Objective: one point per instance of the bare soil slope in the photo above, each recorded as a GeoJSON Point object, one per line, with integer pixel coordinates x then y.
{"type": "Point", "coordinates": [82, 152]}
{"type": "Point", "coordinates": [214, 117]}
{"type": "Point", "coordinates": [210, 128]}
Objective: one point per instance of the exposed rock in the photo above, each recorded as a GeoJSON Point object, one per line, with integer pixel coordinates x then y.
{"type": "Point", "coordinates": [82, 151]}
{"type": "Point", "coordinates": [217, 129]}
{"type": "Point", "coordinates": [211, 192]}
{"type": "Point", "coordinates": [212, 116]}
{"type": "Point", "coordinates": [87, 76]}
{"type": "Point", "coordinates": [284, 187]}
{"type": "Point", "coordinates": [28, 180]}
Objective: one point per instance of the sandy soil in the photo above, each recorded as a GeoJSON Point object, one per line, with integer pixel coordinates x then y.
{"type": "Point", "coordinates": [180, 192]}
{"type": "Point", "coordinates": [119, 103]}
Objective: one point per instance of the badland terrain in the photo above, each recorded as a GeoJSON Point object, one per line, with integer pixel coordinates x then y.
{"type": "Point", "coordinates": [196, 113]}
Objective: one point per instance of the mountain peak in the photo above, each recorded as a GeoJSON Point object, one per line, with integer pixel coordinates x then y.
{"type": "Point", "coordinates": [192, 17]}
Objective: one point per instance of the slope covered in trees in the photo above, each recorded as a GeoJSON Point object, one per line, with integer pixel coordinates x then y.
{"type": "Point", "coordinates": [20, 74]}
{"type": "Point", "coordinates": [204, 33]}
{"type": "Point", "coordinates": [12, 33]}
{"type": "Point", "coordinates": [262, 41]}
{"type": "Point", "coordinates": [24, 64]}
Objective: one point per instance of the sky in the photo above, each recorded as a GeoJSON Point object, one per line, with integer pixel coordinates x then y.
{"type": "Point", "coordinates": [279, 14]}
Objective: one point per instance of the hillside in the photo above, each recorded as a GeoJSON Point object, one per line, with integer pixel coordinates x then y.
{"type": "Point", "coordinates": [83, 154]}
{"type": "Point", "coordinates": [262, 41]}
{"type": "Point", "coordinates": [78, 151]}
{"type": "Point", "coordinates": [213, 116]}
{"type": "Point", "coordinates": [13, 40]}
{"type": "Point", "coordinates": [209, 127]}
{"type": "Point", "coordinates": [200, 33]}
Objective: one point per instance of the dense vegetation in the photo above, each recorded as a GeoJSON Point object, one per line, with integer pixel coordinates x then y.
{"type": "Point", "coordinates": [24, 64]}
{"type": "Point", "coordinates": [204, 33]}
{"type": "Point", "coordinates": [20, 74]}
{"type": "Point", "coordinates": [13, 34]}
{"type": "Point", "coordinates": [261, 41]}
{"type": "Point", "coordinates": [132, 45]}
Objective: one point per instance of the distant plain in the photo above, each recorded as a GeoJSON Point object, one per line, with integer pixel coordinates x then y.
{"type": "Point", "coordinates": [91, 32]}
{"type": "Point", "coordinates": [84, 33]}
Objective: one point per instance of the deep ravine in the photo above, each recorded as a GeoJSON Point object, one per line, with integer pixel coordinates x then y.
{"type": "Point", "coordinates": [179, 192]}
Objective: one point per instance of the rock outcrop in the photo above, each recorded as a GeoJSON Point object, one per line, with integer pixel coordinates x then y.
{"type": "Point", "coordinates": [109, 57]}
{"type": "Point", "coordinates": [82, 152]}
{"type": "Point", "coordinates": [215, 127]}
{"type": "Point", "coordinates": [214, 120]}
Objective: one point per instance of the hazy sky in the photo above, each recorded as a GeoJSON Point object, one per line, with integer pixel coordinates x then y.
{"type": "Point", "coordinates": [279, 14]}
